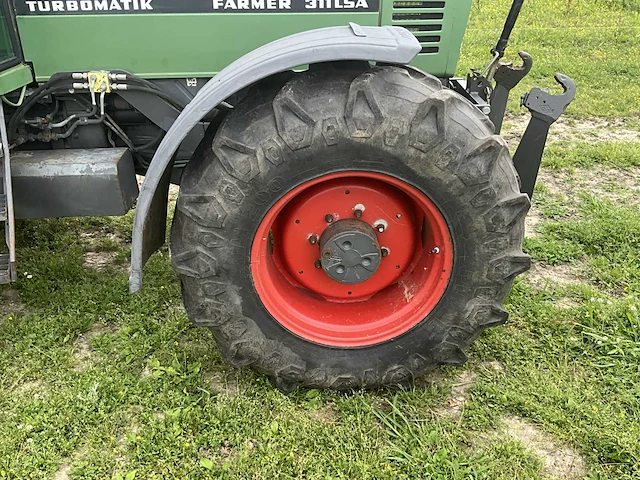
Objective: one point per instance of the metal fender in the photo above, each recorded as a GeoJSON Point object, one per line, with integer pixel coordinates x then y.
{"type": "Point", "coordinates": [381, 44]}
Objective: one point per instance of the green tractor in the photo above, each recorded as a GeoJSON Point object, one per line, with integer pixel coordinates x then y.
{"type": "Point", "coordinates": [348, 215]}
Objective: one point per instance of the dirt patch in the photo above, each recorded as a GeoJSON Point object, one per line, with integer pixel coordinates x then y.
{"type": "Point", "coordinates": [35, 388]}
{"type": "Point", "coordinates": [556, 181]}
{"type": "Point", "coordinates": [430, 378]}
{"type": "Point", "coordinates": [146, 372]}
{"type": "Point", "coordinates": [325, 414]}
{"type": "Point", "coordinates": [459, 394]}
{"type": "Point", "coordinates": [10, 303]}
{"type": "Point", "coordinates": [63, 472]}
{"type": "Point", "coordinates": [84, 354]}
{"type": "Point", "coordinates": [99, 260]}
{"type": "Point", "coordinates": [533, 218]}
{"type": "Point", "coordinates": [222, 384]}
{"type": "Point", "coordinates": [560, 461]}
{"type": "Point", "coordinates": [618, 185]}
{"type": "Point", "coordinates": [565, 303]}
{"type": "Point", "coordinates": [572, 129]}
{"type": "Point", "coordinates": [462, 386]}
{"type": "Point", "coordinates": [493, 365]}
{"type": "Point", "coordinates": [94, 240]}
{"type": "Point", "coordinates": [540, 274]}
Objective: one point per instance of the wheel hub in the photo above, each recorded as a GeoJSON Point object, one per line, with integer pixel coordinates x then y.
{"type": "Point", "coordinates": [311, 252]}
{"type": "Point", "coordinates": [349, 251]}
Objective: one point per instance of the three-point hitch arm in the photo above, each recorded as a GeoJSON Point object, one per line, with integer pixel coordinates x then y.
{"type": "Point", "coordinates": [489, 90]}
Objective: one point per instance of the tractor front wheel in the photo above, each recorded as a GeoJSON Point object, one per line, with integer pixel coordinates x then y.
{"type": "Point", "coordinates": [349, 226]}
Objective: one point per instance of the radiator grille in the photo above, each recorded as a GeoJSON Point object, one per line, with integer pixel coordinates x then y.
{"type": "Point", "coordinates": [423, 18]}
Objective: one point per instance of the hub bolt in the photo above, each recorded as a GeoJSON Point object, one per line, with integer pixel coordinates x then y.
{"type": "Point", "coordinates": [317, 264]}
{"type": "Point", "coordinates": [357, 213]}
{"type": "Point", "coordinates": [358, 210]}
{"type": "Point", "coordinates": [384, 251]}
{"type": "Point", "coordinates": [326, 254]}
{"type": "Point", "coordinates": [313, 239]}
{"type": "Point", "coordinates": [380, 225]}
{"type": "Point", "coordinates": [328, 218]}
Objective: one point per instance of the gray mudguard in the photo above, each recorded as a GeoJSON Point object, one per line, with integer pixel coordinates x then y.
{"type": "Point", "coordinates": [380, 44]}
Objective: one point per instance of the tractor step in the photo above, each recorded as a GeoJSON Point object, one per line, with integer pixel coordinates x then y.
{"type": "Point", "coordinates": [5, 269]}
{"type": "Point", "coordinates": [7, 260]}
{"type": "Point", "coordinates": [3, 207]}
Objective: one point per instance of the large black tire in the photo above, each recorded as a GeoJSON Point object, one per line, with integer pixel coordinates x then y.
{"type": "Point", "coordinates": [335, 117]}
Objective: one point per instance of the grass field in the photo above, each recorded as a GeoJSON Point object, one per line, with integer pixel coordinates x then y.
{"type": "Point", "coordinates": [95, 383]}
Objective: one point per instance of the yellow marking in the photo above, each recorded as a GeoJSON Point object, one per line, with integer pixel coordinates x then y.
{"type": "Point", "coordinates": [99, 81]}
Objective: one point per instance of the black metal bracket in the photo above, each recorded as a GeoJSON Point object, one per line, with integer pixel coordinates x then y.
{"type": "Point", "coordinates": [507, 76]}
{"type": "Point", "coordinates": [545, 109]}
{"type": "Point", "coordinates": [478, 85]}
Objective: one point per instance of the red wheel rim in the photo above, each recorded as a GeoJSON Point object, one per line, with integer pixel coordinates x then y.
{"type": "Point", "coordinates": [407, 285]}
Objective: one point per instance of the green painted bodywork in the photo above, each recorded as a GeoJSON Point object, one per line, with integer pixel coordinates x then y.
{"type": "Point", "coordinates": [14, 78]}
{"type": "Point", "coordinates": [454, 23]}
{"type": "Point", "coordinates": [200, 45]}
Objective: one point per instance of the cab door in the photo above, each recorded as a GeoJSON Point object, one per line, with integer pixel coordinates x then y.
{"type": "Point", "coordinates": [13, 71]}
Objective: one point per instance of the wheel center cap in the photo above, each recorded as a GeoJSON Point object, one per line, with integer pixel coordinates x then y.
{"type": "Point", "coordinates": [349, 251]}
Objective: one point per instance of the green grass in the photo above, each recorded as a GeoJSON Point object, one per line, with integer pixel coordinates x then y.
{"type": "Point", "coordinates": [603, 154]}
{"type": "Point", "coordinates": [595, 42]}
{"type": "Point", "coordinates": [123, 387]}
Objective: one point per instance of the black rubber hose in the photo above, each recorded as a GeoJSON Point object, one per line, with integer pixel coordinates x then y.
{"type": "Point", "coordinates": [160, 93]}
{"type": "Point", "coordinates": [36, 95]}
{"type": "Point", "coordinates": [52, 85]}
{"type": "Point", "coordinates": [152, 143]}
{"type": "Point", "coordinates": [30, 102]}
{"type": "Point", "coordinates": [48, 87]}
{"type": "Point", "coordinates": [115, 128]}
{"type": "Point", "coordinates": [118, 131]}
{"type": "Point", "coordinates": [153, 86]}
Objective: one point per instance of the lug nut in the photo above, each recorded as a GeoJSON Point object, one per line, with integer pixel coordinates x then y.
{"type": "Point", "coordinates": [358, 210]}
{"type": "Point", "coordinates": [313, 239]}
{"type": "Point", "coordinates": [380, 225]}
{"type": "Point", "coordinates": [328, 218]}
{"type": "Point", "coordinates": [317, 264]}
{"type": "Point", "coordinates": [357, 213]}
{"type": "Point", "coordinates": [385, 251]}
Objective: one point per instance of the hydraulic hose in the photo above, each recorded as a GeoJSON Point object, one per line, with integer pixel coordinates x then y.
{"type": "Point", "coordinates": [53, 84]}
{"type": "Point", "coordinates": [160, 93]}
{"type": "Point", "coordinates": [514, 12]}
{"type": "Point", "coordinates": [151, 85]}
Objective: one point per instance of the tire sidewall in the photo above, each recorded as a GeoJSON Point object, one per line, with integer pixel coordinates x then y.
{"type": "Point", "coordinates": [389, 362]}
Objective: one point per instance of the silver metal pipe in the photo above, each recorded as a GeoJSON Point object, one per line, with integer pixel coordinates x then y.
{"type": "Point", "coordinates": [8, 191]}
